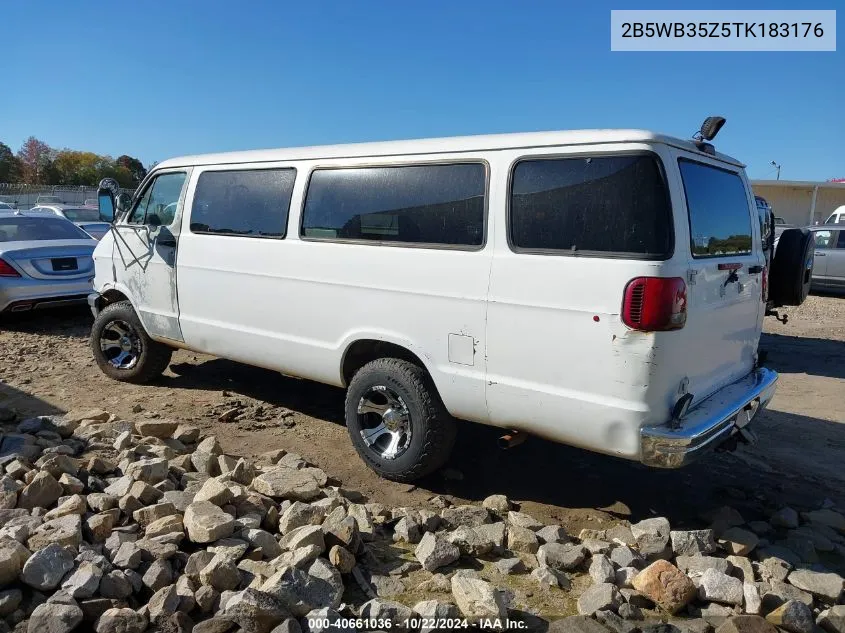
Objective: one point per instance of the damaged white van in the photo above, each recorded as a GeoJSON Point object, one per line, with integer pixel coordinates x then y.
{"type": "Point", "coordinates": [600, 288]}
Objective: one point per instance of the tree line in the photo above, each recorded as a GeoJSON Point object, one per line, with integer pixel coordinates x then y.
{"type": "Point", "coordinates": [36, 163]}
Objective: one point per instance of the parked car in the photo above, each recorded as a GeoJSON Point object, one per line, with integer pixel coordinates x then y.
{"type": "Point", "coordinates": [86, 218]}
{"type": "Point", "coordinates": [5, 206]}
{"type": "Point", "coordinates": [90, 202]}
{"type": "Point", "coordinates": [45, 261]}
{"type": "Point", "coordinates": [837, 217]}
{"type": "Point", "coordinates": [49, 200]}
{"type": "Point", "coordinates": [829, 268]}
{"type": "Point", "coordinates": [600, 288]}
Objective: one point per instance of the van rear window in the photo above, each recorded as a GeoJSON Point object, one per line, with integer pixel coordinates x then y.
{"type": "Point", "coordinates": [413, 204]}
{"type": "Point", "coordinates": [719, 218]}
{"type": "Point", "coordinates": [592, 205]}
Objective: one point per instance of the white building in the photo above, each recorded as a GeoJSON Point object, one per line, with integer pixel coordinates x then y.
{"type": "Point", "coordinates": [801, 202]}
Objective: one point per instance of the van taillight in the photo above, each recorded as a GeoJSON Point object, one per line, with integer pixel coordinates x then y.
{"type": "Point", "coordinates": [654, 304]}
{"type": "Point", "coordinates": [6, 270]}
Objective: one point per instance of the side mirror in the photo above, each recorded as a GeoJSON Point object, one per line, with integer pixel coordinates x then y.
{"type": "Point", "coordinates": [106, 193]}
{"type": "Point", "coordinates": [105, 202]}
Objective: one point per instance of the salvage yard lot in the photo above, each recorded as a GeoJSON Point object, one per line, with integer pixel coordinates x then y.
{"type": "Point", "coordinates": [46, 367]}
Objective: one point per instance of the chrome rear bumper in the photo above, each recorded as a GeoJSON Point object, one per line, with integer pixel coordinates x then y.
{"type": "Point", "coordinates": [708, 423]}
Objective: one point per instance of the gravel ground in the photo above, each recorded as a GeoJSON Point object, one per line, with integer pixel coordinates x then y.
{"type": "Point", "coordinates": [46, 367]}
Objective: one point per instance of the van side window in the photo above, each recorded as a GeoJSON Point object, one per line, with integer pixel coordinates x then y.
{"type": "Point", "coordinates": [416, 204]}
{"type": "Point", "coordinates": [824, 239]}
{"type": "Point", "coordinates": [617, 205]}
{"type": "Point", "coordinates": [720, 224]}
{"type": "Point", "coordinates": [250, 202]}
{"type": "Point", "coordinates": [157, 205]}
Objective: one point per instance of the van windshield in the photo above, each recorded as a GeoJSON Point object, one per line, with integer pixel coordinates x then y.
{"type": "Point", "coordinates": [719, 218]}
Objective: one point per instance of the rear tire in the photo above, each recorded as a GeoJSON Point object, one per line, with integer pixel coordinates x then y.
{"type": "Point", "coordinates": [123, 349]}
{"type": "Point", "coordinates": [389, 393]}
{"type": "Point", "coordinates": [792, 268]}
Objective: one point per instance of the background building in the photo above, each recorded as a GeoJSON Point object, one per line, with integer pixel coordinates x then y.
{"type": "Point", "coordinates": [801, 202]}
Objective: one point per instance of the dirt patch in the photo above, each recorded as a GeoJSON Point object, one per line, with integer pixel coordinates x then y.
{"type": "Point", "coordinates": [46, 366]}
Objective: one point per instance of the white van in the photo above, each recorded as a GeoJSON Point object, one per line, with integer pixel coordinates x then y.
{"type": "Point", "coordinates": [837, 217]}
{"type": "Point", "coordinates": [600, 288]}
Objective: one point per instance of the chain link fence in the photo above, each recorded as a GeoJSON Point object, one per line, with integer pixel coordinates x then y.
{"type": "Point", "coordinates": [22, 196]}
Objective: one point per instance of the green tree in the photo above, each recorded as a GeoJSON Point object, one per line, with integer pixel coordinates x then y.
{"type": "Point", "coordinates": [35, 161]}
{"type": "Point", "coordinates": [10, 167]}
{"type": "Point", "coordinates": [134, 166]}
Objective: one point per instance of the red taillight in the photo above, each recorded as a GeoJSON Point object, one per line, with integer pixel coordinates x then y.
{"type": "Point", "coordinates": [654, 304]}
{"type": "Point", "coordinates": [765, 283]}
{"type": "Point", "coordinates": [6, 270]}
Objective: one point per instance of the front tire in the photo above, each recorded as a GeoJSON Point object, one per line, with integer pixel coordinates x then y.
{"type": "Point", "coordinates": [123, 349]}
{"type": "Point", "coordinates": [396, 420]}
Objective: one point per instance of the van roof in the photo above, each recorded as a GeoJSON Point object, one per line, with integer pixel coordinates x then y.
{"type": "Point", "coordinates": [440, 145]}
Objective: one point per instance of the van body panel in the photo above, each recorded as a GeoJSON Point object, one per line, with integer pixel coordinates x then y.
{"type": "Point", "coordinates": [300, 314]}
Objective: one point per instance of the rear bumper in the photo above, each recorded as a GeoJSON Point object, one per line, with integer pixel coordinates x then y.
{"type": "Point", "coordinates": [709, 423]}
{"type": "Point", "coordinates": [23, 295]}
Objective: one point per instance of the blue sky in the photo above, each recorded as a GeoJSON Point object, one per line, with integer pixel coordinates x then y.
{"type": "Point", "coordinates": [160, 79]}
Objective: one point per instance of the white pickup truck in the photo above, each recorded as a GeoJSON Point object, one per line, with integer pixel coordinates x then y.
{"type": "Point", "coordinates": [601, 288]}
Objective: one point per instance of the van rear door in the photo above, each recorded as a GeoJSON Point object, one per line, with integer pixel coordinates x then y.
{"type": "Point", "coordinates": [724, 283]}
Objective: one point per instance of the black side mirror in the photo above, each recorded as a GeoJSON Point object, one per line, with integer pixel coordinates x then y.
{"type": "Point", "coordinates": [106, 193]}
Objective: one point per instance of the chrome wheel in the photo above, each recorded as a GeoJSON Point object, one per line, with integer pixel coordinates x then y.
{"type": "Point", "coordinates": [385, 422]}
{"type": "Point", "coordinates": [120, 344]}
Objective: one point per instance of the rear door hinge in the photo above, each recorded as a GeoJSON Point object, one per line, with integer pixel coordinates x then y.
{"type": "Point", "coordinates": [691, 273]}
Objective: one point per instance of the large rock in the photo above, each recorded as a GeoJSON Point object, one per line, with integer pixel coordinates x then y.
{"type": "Point", "coordinates": [718, 587]}
{"type": "Point", "coordinates": [738, 541]}
{"type": "Point", "coordinates": [652, 536]}
{"type": "Point", "coordinates": [163, 603]}
{"type": "Point", "coordinates": [827, 586]}
{"type": "Point", "coordinates": [478, 599]}
{"type": "Point", "coordinates": [561, 556]}
{"type": "Point", "coordinates": [602, 570]}
{"type": "Point", "coordinates": [827, 517]}
{"type": "Point", "coordinates": [10, 599]}
{"type": "Point", "coordinates": [833, 620]}
{"type": "Point", "coordinates": [121, 620]}
{"type": "Point", "coordinates": [780, 592]}
{"type": "Point", "coordinates": [785, 518]}
{"type": "Point", "coordinates": [84, 581]}
{"type": "Point", "coordinates": [287, 483]}
{"type": "Point", "coordinates": [54, 618]}
{"type": "Point", "coordinates": [746, 624]}
{"type": "Point", "coordinates": [467, 515]}
{"type": "Point", "coordinates": [697, 565]}
{"type": "Point", "coordinates": [434, 552]}
{"type": "Point", "coordinates": [666, 585]}
{"type": "Point", "coordinates": [304, 536]}
{"type": "Point", "coordinates": [13, 557]}
{"type": "Point", "coordinates": [601, 597]}
{"type": "Point", "coordinates": [65, 531]}
{"type": "Point", "coordinates": [387, 611]}
{"type": "Point", "coordinates": [433, 611]}
{"type": "Point", "coordinates": [522, 539]}
{"type": "Point", "coordinates": [693, 542]}
{"type": "Point", "coordinates": [45, 569]}
{"type": "Point", "coordinates": [205, 522]}
{"type": "Point", "coordinates": [256, 611]}
{"type": "Point", "coordinates": [301, 591]}
{"type": "Point", "coordinates": [151, 471]}
{"type": "Point", "coordinates": [299, 514]}
{"type": "Point", "coordinates": [41, 492]}
{"type": "Point", "coordinates": [793, 616]}
{"type": "Point", "coordinates": [161, 429]}
{"type": "Point", "coordinates": [221, 573]}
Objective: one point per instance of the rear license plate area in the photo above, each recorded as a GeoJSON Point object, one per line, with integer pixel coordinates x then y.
{"type": "Point", "coordinates": [61, 264]}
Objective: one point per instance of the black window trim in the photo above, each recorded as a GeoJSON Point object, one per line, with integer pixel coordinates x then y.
{"type": "Point", "coordinates": [689, 219]}
{"type": "Point", "coordinates": [149, 181]}
{"type": "Point", "coordinates": [590, 253]}
{"type": "Point", "coordinates": [206, 170]}
{"type": "Point", "coordinates": [397, 244]}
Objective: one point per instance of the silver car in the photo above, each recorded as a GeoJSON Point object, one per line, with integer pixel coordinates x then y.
{"type": "Point", "coordinates": [45, 261]}
{"type": "Point", "coordinates": [86, 218]}
{"type": "Point", "coordinates": [829, 266]}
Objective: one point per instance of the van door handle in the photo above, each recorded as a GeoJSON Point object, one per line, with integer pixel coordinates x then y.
{"type": "Point", "coordinates": [753, 270]}
{"type": "Point", "coordinates": [818, 254]}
